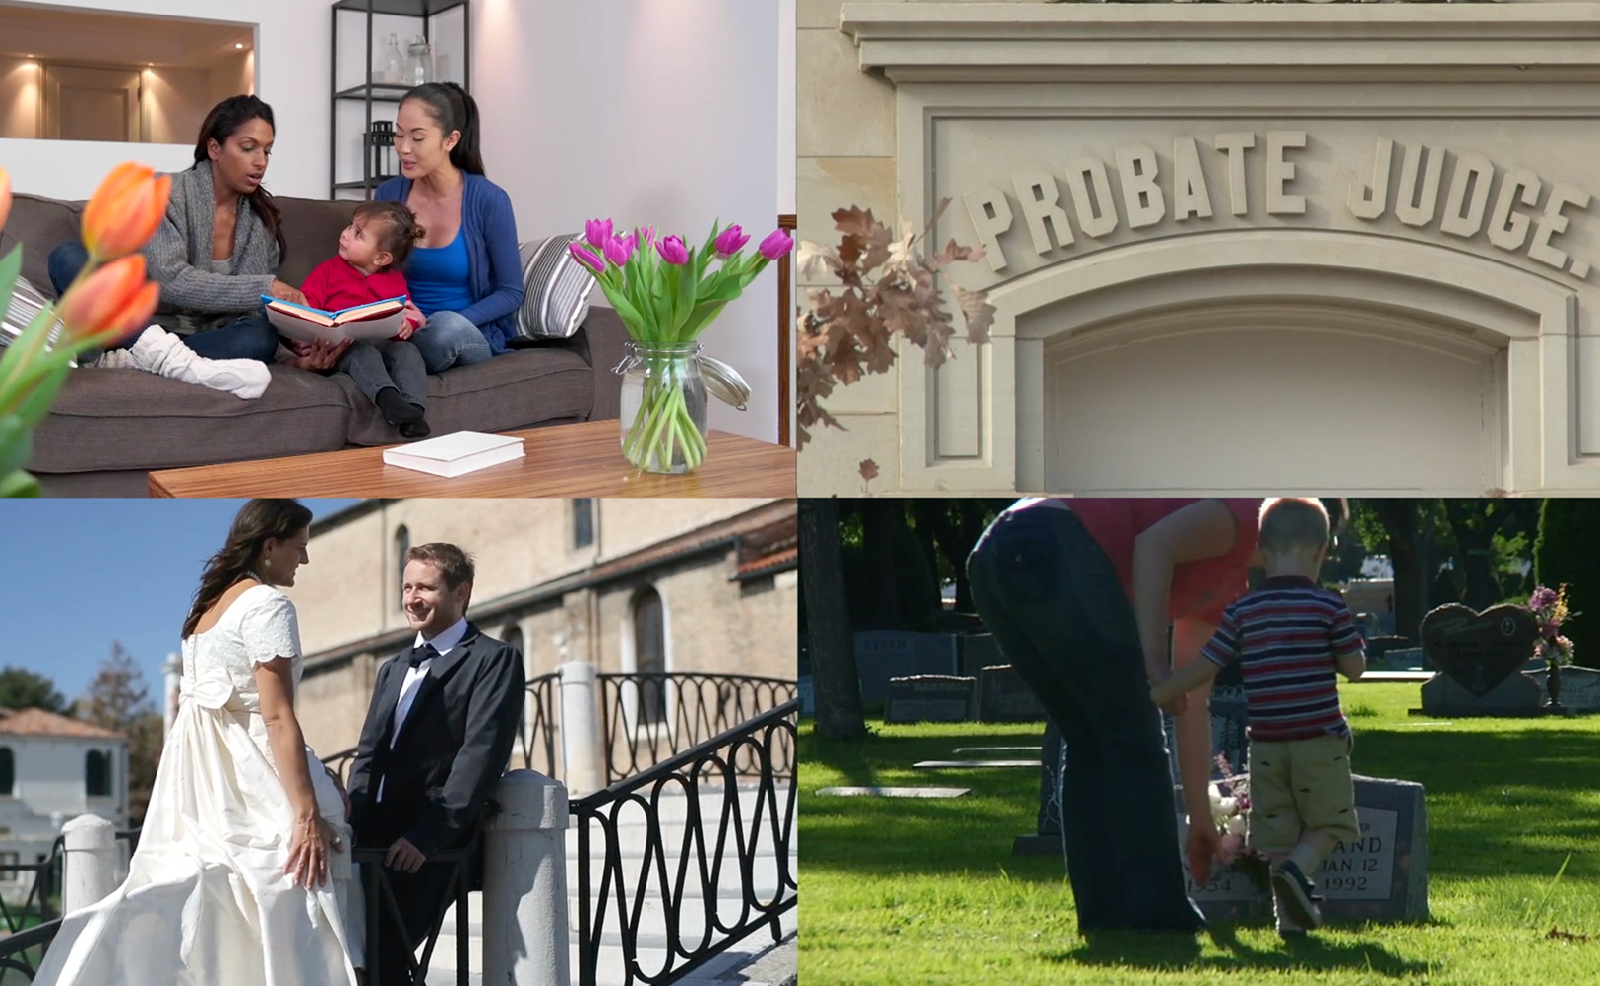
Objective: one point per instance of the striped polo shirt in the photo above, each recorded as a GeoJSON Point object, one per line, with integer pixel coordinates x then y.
{"type": "Point", "coordinates": [1286, 636]}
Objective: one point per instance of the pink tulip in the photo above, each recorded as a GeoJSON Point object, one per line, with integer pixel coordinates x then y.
{"type": "Point", "coordinates": [673, 251]}
{"type": "Point", "coordinates": [597, 232]}
{"type": "Point", "coordinates": [587, 257]}
{"type": "Point", "coordinates": [730, 242]}
{"type": "Point", "coordinates": [776, 245]}
{"type": "Point", "coordinates": [647, 236]}
{"type": "Point", "coordinates": [5, 196]}
{"type": "Point", "coordinates": [618, 250]}
{"type": "Point", "coordinates": [629, 243]}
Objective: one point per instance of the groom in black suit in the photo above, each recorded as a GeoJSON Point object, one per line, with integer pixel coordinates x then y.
{"type": "Point", "coordinates": [438, 737]}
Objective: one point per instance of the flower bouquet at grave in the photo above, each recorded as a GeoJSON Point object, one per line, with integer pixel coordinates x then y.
{"type": "Point", "coordinates": [1230, 807]}
{"type": "Point", "coordinates": [110, 298]}
{"type": "Point", "coordinates": [1551, 610]}
{"type": "Point", "coordinates": [666, 292]}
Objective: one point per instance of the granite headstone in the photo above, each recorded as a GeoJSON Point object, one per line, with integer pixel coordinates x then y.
{"type": "Point", "coordinates": [1479, 650]}
{"type": "Point", "coordinates": [1004, 697]}
{"type": "Point", "coordinates": [979, 651]}
{"type": "Point", "coordinates": [885, 654]}
{"type": "Point", "coordinates": [931, 698]}
{"type": "Point", "coordinates": [1382, 876]}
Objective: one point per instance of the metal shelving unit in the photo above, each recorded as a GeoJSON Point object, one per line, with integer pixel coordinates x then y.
{"type": "Point", "coordinates": [372, 92]}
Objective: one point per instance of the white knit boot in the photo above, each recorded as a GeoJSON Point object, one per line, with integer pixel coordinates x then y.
{"type": "Point", "coordinates": [164, 354]}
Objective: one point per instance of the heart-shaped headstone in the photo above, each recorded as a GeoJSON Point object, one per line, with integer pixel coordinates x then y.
{"type": "Point", "coordinates": [1479, 650]}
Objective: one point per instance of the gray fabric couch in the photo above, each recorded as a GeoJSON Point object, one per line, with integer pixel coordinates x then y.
{"type": "Point", "coordinates": [109, 428]}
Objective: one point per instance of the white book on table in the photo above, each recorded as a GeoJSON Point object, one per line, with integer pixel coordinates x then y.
{"type": "Point", "coordinates": [455, 454]}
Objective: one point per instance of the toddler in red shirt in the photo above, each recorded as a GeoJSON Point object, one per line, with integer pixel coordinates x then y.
{"type": "Point", "coordinates": [367, 269]}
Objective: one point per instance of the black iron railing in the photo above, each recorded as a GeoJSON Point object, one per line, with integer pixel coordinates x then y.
{"type": "Point", "coordinates": [682, 875]}
{"type": "Point", "coordinates": [31, 927]}
{"type": "Point", "coordinates": [378, 897]}
{"type": "Point", "coordinates": [538, 736]}
{"type": "Point", "coordinates": [649, 718]}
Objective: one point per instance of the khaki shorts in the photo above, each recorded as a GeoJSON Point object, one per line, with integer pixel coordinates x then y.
{"type": "Point", "coordinates": [1300, 785]}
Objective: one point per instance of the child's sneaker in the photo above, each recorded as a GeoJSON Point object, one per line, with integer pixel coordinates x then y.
{"type": "Point", "coordinates": [1297, 897]}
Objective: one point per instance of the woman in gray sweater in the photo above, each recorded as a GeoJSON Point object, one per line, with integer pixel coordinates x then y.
{"type": "Point", "coordinates": [215, 254]}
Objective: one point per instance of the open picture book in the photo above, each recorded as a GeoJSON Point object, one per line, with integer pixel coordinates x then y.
{"type": "Point", "coordinates": [373, 322]}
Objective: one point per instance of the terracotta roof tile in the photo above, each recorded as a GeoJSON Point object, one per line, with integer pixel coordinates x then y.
{"type": "Point", "coordinates": [38, 722]}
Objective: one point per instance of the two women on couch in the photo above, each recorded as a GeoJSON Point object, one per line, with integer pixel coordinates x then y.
{"type": "Point", "coordinates": [218, 250]}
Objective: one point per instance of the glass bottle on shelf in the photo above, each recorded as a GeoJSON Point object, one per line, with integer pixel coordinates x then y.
{"type": "Point", "coordinates": [419, 62]}
{"type": "Point", "coordinates": [393, 63]}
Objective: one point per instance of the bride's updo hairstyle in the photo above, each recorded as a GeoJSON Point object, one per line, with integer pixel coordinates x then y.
{"type": "Point", "coordinates": [256, 522]}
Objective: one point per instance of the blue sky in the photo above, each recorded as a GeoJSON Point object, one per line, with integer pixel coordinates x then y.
{"type": "Point", "coordinates": [79, 574]}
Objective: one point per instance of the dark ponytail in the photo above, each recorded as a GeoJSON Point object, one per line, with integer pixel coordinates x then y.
{"type": "Point", "coordinates": [223, 122]}
{"type": "Point", "coordinates": [455, 112]}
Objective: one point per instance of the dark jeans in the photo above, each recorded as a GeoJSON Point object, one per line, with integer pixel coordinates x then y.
{"type": "Point", "coordinates": [374, 366]}
{"type": "Point", "coordinates": [1057, 609]}
{"type": "Point", "coordinates": [246, 337]}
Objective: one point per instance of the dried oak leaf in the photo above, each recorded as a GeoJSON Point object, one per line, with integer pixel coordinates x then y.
{"type": "Point", "coordinates": [868, 470]}
{"type": "Point", "coordinates": [980, 314]}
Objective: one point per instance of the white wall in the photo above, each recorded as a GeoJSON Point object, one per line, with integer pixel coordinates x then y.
{"type": "Point", "coordinates": [787, 35]}
{"type": "Point", "coordinates": [73, 169]}
{"type": "Point", "coordinates": [645, 111]}
{"type": "Point", "coordinates": [293, 37]}
{"type": "Point", "coordinates": [233, 76]}
{"type": "Point", "coordinates": [50, 774]}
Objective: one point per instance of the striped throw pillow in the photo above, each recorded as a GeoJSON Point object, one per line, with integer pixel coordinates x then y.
{"type": "Point", "coordinates": [557, 289]}
{"type": "Point", "coordinates": [26, 302]}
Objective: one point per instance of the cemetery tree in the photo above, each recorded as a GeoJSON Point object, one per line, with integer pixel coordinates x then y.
{"type": "Point", "coordinates": [1485, 530]}
{"type": "Point", "coordinates": [1568, 551]}
{"type": "Point", "coordinates": [833, 658]}
{"type": "Point", "coordinates": [954, 525]}
{"type": "Point", "coordinates": [119, 700]}
{"type": "Point", "coordinates": [22, 689]}
{"type": "Point", "coordinates": [1398, 522]}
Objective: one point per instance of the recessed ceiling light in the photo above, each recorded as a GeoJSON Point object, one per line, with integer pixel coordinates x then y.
{"type": "Point", "coordinates": [238, 44]}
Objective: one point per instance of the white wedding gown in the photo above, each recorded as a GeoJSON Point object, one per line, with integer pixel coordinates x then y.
{"type": "Point", "coordinates": [206, 901]}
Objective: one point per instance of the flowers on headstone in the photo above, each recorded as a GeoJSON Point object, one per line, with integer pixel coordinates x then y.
{"type": "Point", "coordinates": [1550, 607]}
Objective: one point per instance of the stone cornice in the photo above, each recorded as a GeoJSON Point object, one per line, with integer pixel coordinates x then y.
{"type": "Point", "coordinates": [1356, 42]}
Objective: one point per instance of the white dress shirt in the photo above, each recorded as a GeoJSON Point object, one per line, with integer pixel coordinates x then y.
{"type": "Point", "coordinates": [444, 643]}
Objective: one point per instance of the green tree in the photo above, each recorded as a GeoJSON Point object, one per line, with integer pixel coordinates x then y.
{"type": "Point", "coordinates": [23, 689]}
{"type": "Point", "coordinates": [119, 700]}
{"type": "Point", "coordinates": [1567, 551]}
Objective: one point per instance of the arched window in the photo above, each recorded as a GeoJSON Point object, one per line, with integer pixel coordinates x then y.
{"type": "Point", "coordinates": [650, 655]}
{"type": "Point", "coordinates": [582, 523]}
{"type": "Point", "coordinates": [8, 771]}
{"type": "Point", "coordinates": [402, 544]}
{"type": "Point", "coordinates": [97, 771]}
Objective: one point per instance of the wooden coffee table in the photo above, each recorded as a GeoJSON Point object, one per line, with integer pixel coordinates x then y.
{"type": "Point", "coordinates": [582, 460]}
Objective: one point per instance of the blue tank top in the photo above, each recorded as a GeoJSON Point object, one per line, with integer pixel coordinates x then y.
{"type": "Point", "coordinates": [438, 277]}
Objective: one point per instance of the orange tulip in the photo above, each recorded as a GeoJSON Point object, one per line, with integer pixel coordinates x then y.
{"type": "Point", "coordinates": [5, 196]}
{"type": "Point", "coordinates": [125, 211]}
{"type": "Point", "coordinates": [114, 301]}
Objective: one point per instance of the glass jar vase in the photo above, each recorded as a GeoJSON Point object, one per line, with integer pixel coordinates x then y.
{"type": "Point", "coordinates": [663, 407]}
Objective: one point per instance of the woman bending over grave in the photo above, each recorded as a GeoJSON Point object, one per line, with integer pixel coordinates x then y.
{"type": "Point", "coordinates": [1080, 594]}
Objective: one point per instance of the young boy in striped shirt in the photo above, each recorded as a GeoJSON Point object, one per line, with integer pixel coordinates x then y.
{"type": "Point", "coordinates": [1289, 636]}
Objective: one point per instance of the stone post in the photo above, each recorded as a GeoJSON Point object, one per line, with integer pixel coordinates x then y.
{"type": "Point", "coordinates": [525, 884]}
{"type": "Point", "coordinates": [580, 729]}
{"type": "Point", "coordinates": [91, 862]}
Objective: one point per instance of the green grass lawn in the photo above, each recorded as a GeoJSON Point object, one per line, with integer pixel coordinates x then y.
{"type": "Point", "coordinates": [926, 891]}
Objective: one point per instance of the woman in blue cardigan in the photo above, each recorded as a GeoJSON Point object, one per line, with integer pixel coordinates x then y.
{"type": "Point", "coordinates": [466, 276]}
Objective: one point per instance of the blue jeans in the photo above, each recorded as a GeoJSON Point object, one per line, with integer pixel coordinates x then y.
{"type": "Point", "coordinates": [1056, 607]}
{"type": "Point", "coordinates": [447, 339]}
{"type": "Point", "coordinates": [246, 337]}
{"type": "Point", "coordinates": [374, 366]}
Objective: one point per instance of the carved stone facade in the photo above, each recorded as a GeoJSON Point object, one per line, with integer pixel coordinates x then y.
{"type": "Point", "coordinates": [564, 580]}
{"type": "Point", "coordinates": [1323, 246]}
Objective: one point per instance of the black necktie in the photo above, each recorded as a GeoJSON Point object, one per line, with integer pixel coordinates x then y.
{"type": "Point", "coordinates": [421, 654]}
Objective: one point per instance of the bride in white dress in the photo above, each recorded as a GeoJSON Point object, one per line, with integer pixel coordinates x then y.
{"type": "Point", "coordinates": [242, 876]}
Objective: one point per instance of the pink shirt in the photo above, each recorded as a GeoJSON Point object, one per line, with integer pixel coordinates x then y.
{"type": "Point", "coordinates": [1200, 589]}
